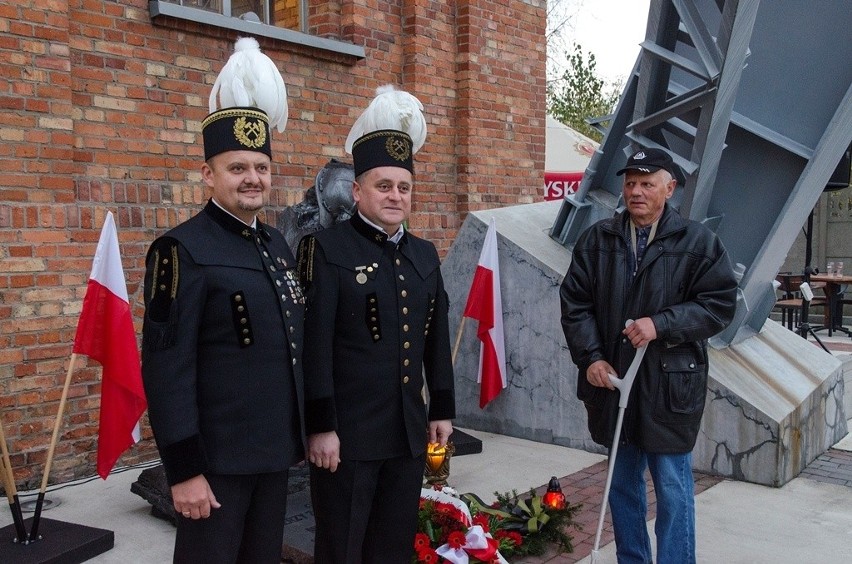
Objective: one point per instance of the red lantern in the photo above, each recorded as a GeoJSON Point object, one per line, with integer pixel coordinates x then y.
{"type": "Point", "coordinates": [554, 498]}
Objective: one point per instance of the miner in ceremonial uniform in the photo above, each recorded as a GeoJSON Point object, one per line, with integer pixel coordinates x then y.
{"type": "Point", "coordinates": [222, 338]}
{"type": "Point", "coordinates": [376, 334]}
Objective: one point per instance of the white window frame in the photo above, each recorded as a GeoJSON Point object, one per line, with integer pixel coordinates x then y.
{"type": "Point", "coordinates": [161, 10]}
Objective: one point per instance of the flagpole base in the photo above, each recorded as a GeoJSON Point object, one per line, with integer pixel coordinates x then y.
{"type": "Point", "coordinates": [58, 543]}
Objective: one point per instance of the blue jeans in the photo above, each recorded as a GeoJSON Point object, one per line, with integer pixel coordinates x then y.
{"type": "Point", "coordinates": [674, 488]}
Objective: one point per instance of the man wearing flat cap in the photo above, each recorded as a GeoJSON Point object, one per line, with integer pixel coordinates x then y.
{"type": "Point", "coordinates": [376, 333]}
{"type": "Point", "coordinates": [673, 277]}
{"type": "Point", "coordinates": [221, 354]}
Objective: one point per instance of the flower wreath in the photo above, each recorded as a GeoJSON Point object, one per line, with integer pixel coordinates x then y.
{"type": "Point", "coordinates": [464, 530]}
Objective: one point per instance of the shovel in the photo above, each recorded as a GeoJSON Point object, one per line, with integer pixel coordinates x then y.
{"type": "Point", "coordinates": [623, 385]}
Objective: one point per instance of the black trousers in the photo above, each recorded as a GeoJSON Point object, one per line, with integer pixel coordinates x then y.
{"type": "Point", "coordinates": [248, 528]}
{"type": "Point", "coordinates": [366, 511]}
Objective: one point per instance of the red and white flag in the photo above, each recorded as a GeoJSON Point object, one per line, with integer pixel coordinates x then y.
{"type": "Point", "coordinates": [105, 333]}
{"type": "Point", "coordinates": [485, 304]}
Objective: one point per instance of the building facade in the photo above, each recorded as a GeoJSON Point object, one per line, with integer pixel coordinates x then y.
{"type": "Point", "coordinates": [101, 104]}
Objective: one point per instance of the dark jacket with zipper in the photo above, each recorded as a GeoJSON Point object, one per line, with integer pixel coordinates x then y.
{"type": "Point", "coordinates": [686, 285]}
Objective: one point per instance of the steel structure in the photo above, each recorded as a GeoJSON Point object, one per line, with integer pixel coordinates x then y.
{"type": "Point", "coordinates": [754, 100]}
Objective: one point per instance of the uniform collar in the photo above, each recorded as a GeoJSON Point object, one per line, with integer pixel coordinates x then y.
{"type": "Point", "coordinates": [231, 223]}
{"type": "Point", "coordinates": [370, 231]}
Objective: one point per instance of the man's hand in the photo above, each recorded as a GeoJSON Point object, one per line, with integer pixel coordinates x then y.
{"type": "Point", "coordinates": [440, 431]}
{"type": "Point", "coordinates": [598, 374]}
{"type": "Point", "coordinates": [324, 450]}
{"type": "Point", "coordinates": [641, 332]}
{"type": "Point", "coordinates": [193, 498]}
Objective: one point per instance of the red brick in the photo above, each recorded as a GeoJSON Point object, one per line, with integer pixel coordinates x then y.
{"type": "Point", "coordinates": [81, 63]}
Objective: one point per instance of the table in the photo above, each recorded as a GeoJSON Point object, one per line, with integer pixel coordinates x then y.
{"type": "Point", "coordinates": [833, 289]}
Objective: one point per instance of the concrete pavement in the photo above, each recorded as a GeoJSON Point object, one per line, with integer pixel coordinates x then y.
{"type": "Point", "coordinates": [805, 521]}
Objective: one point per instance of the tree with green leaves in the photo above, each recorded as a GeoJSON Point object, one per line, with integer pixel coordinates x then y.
{"type": "Point", "coordinates": [579, 94]}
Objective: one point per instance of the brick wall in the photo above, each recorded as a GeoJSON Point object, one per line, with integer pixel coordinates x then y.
{"type": "Point", "coordinates": [100, 110]}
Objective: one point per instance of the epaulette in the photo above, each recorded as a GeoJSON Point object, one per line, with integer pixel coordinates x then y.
{"type": "Point", "coordinates": [164, 269]}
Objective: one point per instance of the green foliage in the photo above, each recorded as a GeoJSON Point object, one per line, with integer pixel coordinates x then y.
{"type": "Point", "coordinates": [540, 526]}
{"type": "Point", "coordinates": [580, 94]}
{"type": "Point", "coordinates": [553, 523]}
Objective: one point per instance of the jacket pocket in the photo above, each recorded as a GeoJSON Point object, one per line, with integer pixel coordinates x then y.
{"type": "Point", "coordinates": [682, 388]}
{"type": "Point", "coordinates": [587, 393]}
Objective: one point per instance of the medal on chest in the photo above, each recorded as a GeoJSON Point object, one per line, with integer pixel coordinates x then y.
{"type": "Point", "coordinates": [361, 278]}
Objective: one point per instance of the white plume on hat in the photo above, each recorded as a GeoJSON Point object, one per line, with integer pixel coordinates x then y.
{"type": "Point", "coordinates": [391, 109]}
{"type": "Point", "coordinates": [250, 78]}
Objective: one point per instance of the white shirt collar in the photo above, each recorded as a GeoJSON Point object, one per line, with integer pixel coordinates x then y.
{"type": "Point", "coordinates": [253, 223]}
{"type": "Point", "coordinates": [392, 238]}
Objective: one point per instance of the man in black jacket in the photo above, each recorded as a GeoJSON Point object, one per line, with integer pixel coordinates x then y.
{"type": "Point", "coordinates": [673, 277]}
{"type": "Point", "coordinates": [376, 332]}
{"type": "Point", "coordinates": [221, 353]}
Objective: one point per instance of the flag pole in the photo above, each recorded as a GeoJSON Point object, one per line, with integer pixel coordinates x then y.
{"type": "Point", "coordinates": [11, 491]}
{"type": "Point", "coordinates": [458, 340]}
{"type": "Point", "coordinates": [51, 449]}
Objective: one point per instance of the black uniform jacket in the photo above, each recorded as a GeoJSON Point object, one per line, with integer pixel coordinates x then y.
{"type": "Point", "coordinates": [375, 324]}
{"type": "Point", "coordinates": [221, 353]}
{"type": "Point", "coordinates": [686, 285]}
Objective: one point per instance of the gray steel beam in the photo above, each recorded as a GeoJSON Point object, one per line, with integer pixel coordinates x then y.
{"type": "Point", "coordinates": [707, 149]}
{"type": "Point", "coordinates": [757, 131]}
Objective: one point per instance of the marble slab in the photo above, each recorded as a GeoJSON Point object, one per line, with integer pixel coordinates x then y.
{"type": "Point", "coordinates": [538, 403]}
{"type": "Point", "coordinates": [774, 404]}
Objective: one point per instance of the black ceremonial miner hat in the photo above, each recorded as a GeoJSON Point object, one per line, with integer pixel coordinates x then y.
{"type": "Point", "coordinates": [236, 129]}
{"type": "Point", "coordinates": [385, 147]}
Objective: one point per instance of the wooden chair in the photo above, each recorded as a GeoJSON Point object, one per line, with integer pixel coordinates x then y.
{"type": "Point", "coordinates": [790, 303]}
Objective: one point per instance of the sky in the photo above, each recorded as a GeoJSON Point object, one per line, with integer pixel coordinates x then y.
{"type": "Point", "coordinates": [612, 30]}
